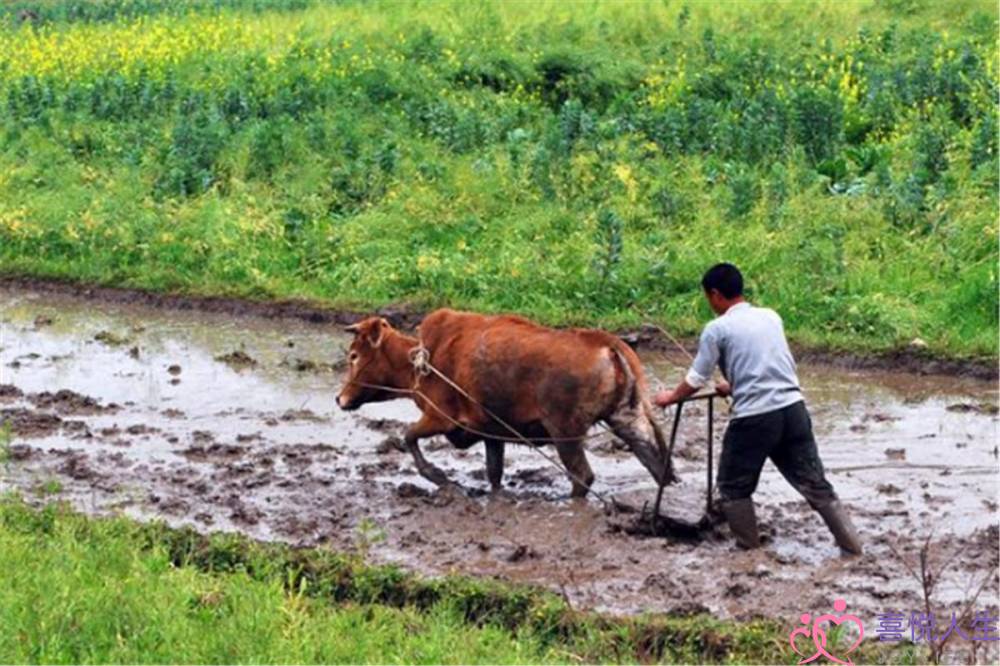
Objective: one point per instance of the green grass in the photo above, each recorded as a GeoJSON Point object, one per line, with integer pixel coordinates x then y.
{"type": "Point", "coordinates": [84, 590]}
{"type": "Point", "coordinates": [578, 164]}
{"type": "Point", "coordinates": [91, 593]}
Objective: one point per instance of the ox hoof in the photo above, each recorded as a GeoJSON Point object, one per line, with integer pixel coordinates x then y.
{"type": "Point", "coordinates": [436, 476]}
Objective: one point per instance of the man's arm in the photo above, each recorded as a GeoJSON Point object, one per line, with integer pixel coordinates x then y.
{"type": "Point", "coordinates": [681, 391]}
{"type": "Point", "coordinates": [699, 374]}
{"type": "Point", "coordinates": [685, 390]}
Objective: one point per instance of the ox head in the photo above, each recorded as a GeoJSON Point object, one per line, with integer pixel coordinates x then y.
{"type": "Point", "coordinates": [369, 365]}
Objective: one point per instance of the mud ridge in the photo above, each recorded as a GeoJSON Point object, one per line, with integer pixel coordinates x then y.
{"type": "Point", "coordinates": [406, 317]}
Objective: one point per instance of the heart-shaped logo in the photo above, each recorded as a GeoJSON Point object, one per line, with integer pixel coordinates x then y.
{"type": "Point", "coordinates": [813, 629]}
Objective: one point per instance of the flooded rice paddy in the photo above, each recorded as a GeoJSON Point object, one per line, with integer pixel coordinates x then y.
{"type": "Point", "coordinates": [229, 423]}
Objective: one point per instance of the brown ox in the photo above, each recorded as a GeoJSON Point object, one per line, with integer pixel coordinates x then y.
{"type": "Point", "coordinates": [543, 382]}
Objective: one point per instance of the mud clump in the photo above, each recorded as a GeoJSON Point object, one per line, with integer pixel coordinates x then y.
{"type": "Point", "coordinates": [296, 457]}
{"type": "Point", "coordinates": [202, 437]}
{"type": "Point", "coordinates": [879, 417]}
{"type": "Point", "coordinates": [521, 552]}
{"type": "Point", "coordinates": [297, 527]}
{"type": "Point", "coordinates": [737, 591]}
{"type": "Point", "coordinates": [384, 425]}
{"type": "Point", "coordinates": [20, 452]}
{"type": "Point", "coordinates": [987, 541]}
{"type": "Point", "coordinates": [895, 454]}
{"type": "Point", "coordinates": [538, 475]}
{"type": "Point", "coordinates": [69, 402]}
{"type": "Point", "coordinates": [28, 423]}
{"type": "Point", "coordinates": [258, 480]}
{"type": "Point", "coordinates": [301, 415]}
{"type": "Point", "coordinates": [174, 369]}
{"type": "Point", "coordinates": [169, 505]}
{"type": "Point", "coordinates": [212, 451]}
{"type": "Point", "coordinates": [10, 392]}
{"type": "Point", "coordinates": [76, 467]}
{"type": "Point", "coordinates": [389, 445]}
{"type": "Point", "coordinates": [971, 408]}
{"type": "Point", "coordinates": [110, 339]}
{"type": "Point", "coordinates": [368, 471]}
{"type": "Point", "coordinates": [41, 321]}
{"type": "Point", "coordinates": [238, 360]}
{"type": "Point", "coordinates": [308, 365]}
{"type": "Point", "coordinates": [301, 365]}
{"type": "Point", "coordinates": [407, 490]}
{"type": "Point", "coordinates": [242, 512]}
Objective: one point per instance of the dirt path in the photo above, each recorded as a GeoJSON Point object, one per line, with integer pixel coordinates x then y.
{"type": "Point", "coordinates": [229, 423]}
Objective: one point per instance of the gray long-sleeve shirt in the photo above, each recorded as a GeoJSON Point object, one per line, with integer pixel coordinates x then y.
{"type": "Point", "coordinates": [748, 343]}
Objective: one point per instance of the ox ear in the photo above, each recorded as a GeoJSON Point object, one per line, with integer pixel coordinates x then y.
{"type": "Point", "coordinates": [373, 329]}
{"type": "Point", "coordinates": [377, 332]}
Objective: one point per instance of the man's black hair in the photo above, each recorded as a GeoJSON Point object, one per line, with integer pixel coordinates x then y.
{"type": "Point", "coordinates": [724, 277]}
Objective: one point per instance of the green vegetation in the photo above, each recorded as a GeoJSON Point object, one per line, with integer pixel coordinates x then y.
{"type": "Point", "coordinates": [580, 163]}
{"type": "Point", "coordinates": [113, 590]}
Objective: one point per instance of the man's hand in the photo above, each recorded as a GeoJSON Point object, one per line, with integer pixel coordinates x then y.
{"type": "Point", "coordinates": [664, 398]}
{"type": "Point", "coordinates": [667, 398]}
{"type": "Point", "coordinates": [684, 390]}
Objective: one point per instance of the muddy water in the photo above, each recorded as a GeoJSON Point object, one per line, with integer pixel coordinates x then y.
{"type": "Point", "coordinates": [230, 423]}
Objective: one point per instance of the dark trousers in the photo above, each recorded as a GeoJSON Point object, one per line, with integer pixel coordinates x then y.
{"type": "Point", "coordinates": [785, 436]}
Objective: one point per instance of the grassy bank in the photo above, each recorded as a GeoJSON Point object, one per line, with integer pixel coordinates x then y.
{"type": "Point", "coordinates": [113, 590]}
{"type": "Point", "coordinates": [579, 164]}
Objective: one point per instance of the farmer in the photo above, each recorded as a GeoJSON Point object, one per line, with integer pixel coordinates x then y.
{"type": "Point", "coordinates": [769, 416]}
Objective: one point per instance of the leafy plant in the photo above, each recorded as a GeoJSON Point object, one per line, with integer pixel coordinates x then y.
{"type": "Point", "coordinates": [610, 229]}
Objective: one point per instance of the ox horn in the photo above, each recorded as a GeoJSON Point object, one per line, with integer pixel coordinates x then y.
{"type": "Point", "coordinates": [353, 328]}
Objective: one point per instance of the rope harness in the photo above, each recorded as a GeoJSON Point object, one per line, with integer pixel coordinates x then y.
{"type": "Point", "coordinates": [419, 358]}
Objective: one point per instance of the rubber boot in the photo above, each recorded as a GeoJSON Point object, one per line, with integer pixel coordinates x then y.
{"type": "Point", "coordinates": [742, 522]}
{"type": "Point", "coordinates": [840, 525]}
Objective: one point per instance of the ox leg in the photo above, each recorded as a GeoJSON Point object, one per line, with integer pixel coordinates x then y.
{"type": "Point", "coordinates": [575, 460]}
{"type": "Point", "coordinates": [425, 427]}
{"type": "Point", "coordinates": [494, 463]}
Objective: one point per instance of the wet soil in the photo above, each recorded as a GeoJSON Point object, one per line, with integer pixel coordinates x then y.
{"type": "Point", "coordinates": [912, 359]}
{"type": "Point", "coordinates": [168, 427]}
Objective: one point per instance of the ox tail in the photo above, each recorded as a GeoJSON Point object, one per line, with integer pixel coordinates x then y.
{"type": "Point", "coordinates": [634, 394]}
{"type": "Point", "coordinates": [631, 393]}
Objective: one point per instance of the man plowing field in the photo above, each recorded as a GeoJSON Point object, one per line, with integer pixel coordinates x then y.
{"type": "Point", "coordinates": [769, 415]}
